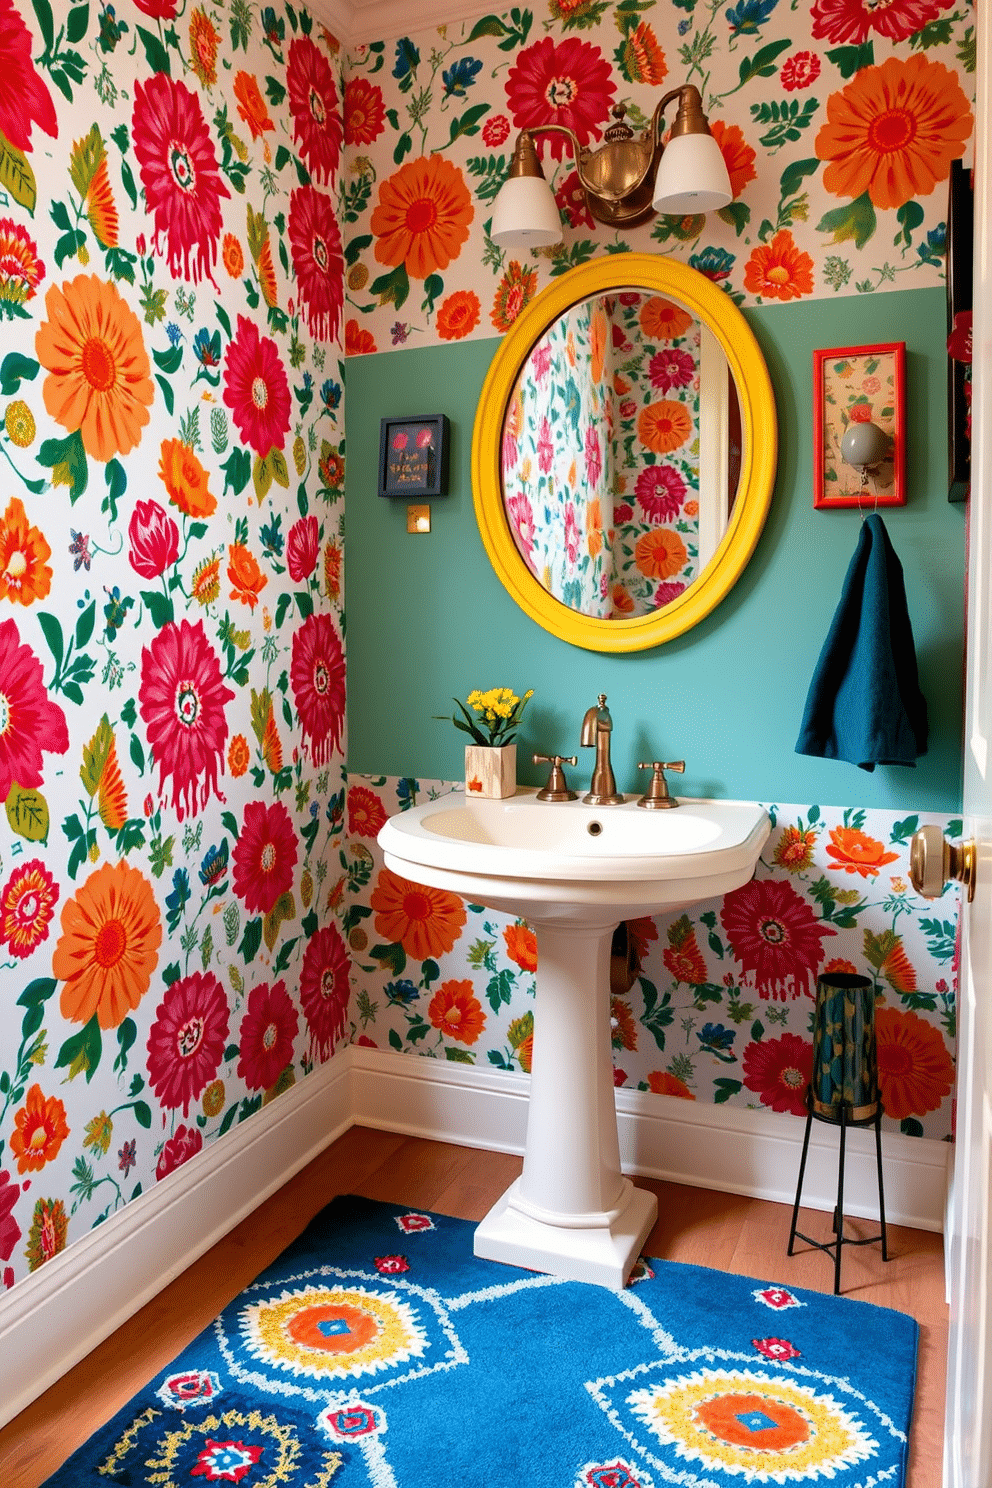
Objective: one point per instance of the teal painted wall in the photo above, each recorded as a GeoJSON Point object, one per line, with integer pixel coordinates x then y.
{"type": "Point", "coordinates": [429, 620]}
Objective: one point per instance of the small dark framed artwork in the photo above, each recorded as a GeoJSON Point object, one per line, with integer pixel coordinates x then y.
{"type": "Point", "coordinates": [413, 456]}
{"type": "Point", "coordinates": [960, 228]}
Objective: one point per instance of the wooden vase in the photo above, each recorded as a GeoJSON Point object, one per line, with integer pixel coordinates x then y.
{"type": "Point", "coordinates": [490, 772]}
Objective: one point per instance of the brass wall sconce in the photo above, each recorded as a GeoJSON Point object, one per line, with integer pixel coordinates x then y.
{"type": "Point", "coordinates": [625, 179]}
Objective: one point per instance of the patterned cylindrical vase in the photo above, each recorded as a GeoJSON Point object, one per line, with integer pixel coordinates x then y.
{"type": "Point", "coordinates": [845, 1062]}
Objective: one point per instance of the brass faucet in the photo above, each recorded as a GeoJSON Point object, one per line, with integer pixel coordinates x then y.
{"type": "Point", "coordinates": [597, 726]}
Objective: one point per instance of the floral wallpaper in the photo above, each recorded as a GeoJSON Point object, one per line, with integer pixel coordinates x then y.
{"type": "Point", "coordinates": [171, 656]}
{"type": "Point", "coordinates": [838, 119]}
{"type": "Point", "coordinates": [721, 1010]}
{"type": "Point", "coordinates": [601, 456]}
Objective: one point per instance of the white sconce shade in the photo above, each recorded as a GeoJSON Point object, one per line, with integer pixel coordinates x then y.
{"type": "Point", "coordinates": [692, 177]}
{"type": "Point", "coordinates": [525, 214]}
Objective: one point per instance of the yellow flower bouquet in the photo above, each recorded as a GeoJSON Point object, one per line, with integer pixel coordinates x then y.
{"type": "Point", "coordinates": [498, 714]}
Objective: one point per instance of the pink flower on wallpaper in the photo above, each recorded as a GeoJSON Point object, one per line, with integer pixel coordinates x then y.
{"type": "Point", "coordinates": [496, 130]}
{"type": "Point", "coordinates": [159, 10]}
{"type": "Point", "coordinates": [521, 515]}
{"type": "Point", "coordinates": [571, 534]}
{"type": "Point", "coordinates": [801, 70]}
{"type": "Point", "coordinates": [182, 700]}
{"type": "Point", "coordinates": [775, 936]}
{"type": "Point", "coordinates": [660, 490]}
{"type": "Point", "coordinates": [571, 199]}
{"type": "Point", "coordinates": [187, 1039]}
{"type": "Point", "coordinates": [318, 262]}
{"type": "Point", "coordinates": [256, 388]}
{"type": "Point", "coordinates": [27, 906]}
{"type": "Point", "coordinates": [317, 675]}
{"type": "Point", "coordinates": [179, 172]}
{"type": "Point", "coordinates": [779, 1071]}
{"type": "Point", "coordinates": [186, 1143]}
{"type": "Point", "coordinates": [264, 856]}
{"type": "Point", "coordinates": [268, 1030]}
{"type": "Point", "coordinates": [313, 102]}
{"type": "Point", "coordinates": [665, 593]}
{"type": "Point", "coordinates": [325, 989]}
{"type": "Point", "coordinates": [366, 813]}
{"type": "Point", "coordinates": [24, 99]}
{"type": "Point", "coordinates": [302, 548]}
{"type": "Point", "coordinates": [29, 722]}
{"type": "Point", "coordinates": [545, 446]}
{"type": "Point", "coordinates": [853, 21]}
{"type": "Point", "coordinates": [154, 540]}
{"type": "Point", "coordinates": [10, 1230]}
{"type": "Point", "coordinates": [594, 456]}
{"type": "Point", "coordinates": [671, 368]}
{"type": "Point", "coordinates": [568, 82]}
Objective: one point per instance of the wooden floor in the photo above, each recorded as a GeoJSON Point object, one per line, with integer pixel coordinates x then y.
{"type": "Point", "coordinates": [747, 1236]}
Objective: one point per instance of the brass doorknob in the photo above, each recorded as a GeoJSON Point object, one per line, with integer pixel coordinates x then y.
{"type": "Point", "coordinates": [933, 861]}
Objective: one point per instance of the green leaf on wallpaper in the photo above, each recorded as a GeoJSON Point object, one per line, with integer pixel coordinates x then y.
{"type": "Point", "coordinates": [489, 25]}
{"type": "Point", "coordinates": [46, 21]}
{"type": "Point", "coordinates": [458, 1056]}
{"type": "Point", "coordinates": [85, 624]}
{"type": "Point", "coordinates": [80, 1054]}
{"type": "Point", "coordinates": [17, 176]}
{"type": "Point", "coordinates": [909, 217]}
{"type": "Point", "coordinates": [762, 63]}
{"type": "Point", "coordinates": [903, 830]}
{"type": "Point", "coordinates": [282, 605]}
{"type": "Point", "coordinates": [261, 477]}
{"type": "Point", "coordinates": [433, 290]}
{"type": "Point", "coordinates": [169, 361]}
{"type": "Point", "coordinates": [392, 288]}
{"type": "Point", "coordinates": [159, 606]}
{"type": "Point", "coordinates": [392, 957]}
{"type": "Point", "coordinates": [156, 54]}
{"type": "Point", "coordinates": [37, 992]}
{"type": "Point", "coordinates": [282, 960]}
{"type": "Point", "coordinates": [274, 92]}
{"type": "Point", "coordinates": [126, 1035]}
{"type": "Point", "coordinates": [724, 1089]}
{"type": "Point", "coordinates": [855, 220]}
{"type": "Point", "coordinates": [794, 175]}
{"type": "Point", "coordinates": [468, 122]}
{"type": "Point", "coordinates": [77, 23]}
{"type": "Point", "coordinates": [237, 471]}
{"type": "Point", "coordinates": [356, 247]}
{"type": "Point", "coordinates": [499, 989]}
{"type": "Point", "coordinates": [736, 215]}
{"type": "Point", "coordinates": [430, 971]}
{"type": "Point", "coordinates": [15, 369]}
{"type": "Point", "coordinates": [403, 147]}
{"type": "Point", "coordinates": [283, 909]}
{"type": "Point", "coordinates": [66, 458]}
{"type": "Point", "coordinates": [850, 59]}
{"type": "Point", "coordinates": [168, 394]}
{"type": "Point", "coordinates": [251, 940]}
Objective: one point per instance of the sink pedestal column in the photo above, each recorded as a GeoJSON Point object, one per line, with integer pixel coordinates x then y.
{"type": "Point", "coordinates": [571, 1212]}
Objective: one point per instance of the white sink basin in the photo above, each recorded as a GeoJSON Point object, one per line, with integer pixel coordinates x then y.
{"type": "Point", "coordinates": [535, 858]}
{"type": "Point", "coordinates": [574, 871]}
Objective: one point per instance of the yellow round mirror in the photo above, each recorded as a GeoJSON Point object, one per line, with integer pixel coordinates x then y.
{"type": "Point", "coordinates": [624, 452]}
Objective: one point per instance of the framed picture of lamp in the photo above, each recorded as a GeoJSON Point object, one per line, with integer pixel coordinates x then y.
{"type": "Point", "coordinates": [859, 426]}
{"type": "Point", "coordinates": [413, 456]}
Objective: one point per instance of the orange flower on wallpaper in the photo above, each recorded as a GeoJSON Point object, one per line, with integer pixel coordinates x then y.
{"type": "Point", "coordinates": [594, 527]}
{"type": "Point", "coordinates": [794, 850]}
{"type": "Point", "coordinates": [894, 130]}
{"type": "Point", "coordinates": [238, 756]}
{"type": "Point", "coordinates": [662, 1083]}
{"type": "Point", "coordinates": [839, 964]}
{"type": "Point", "coordinates": [186, 480]}
{"type": "Point", "coordinates": [664, 426]}
{"type": "Point", "coordinates": [39, 1131]}
{"type": "Point", "coordinates": [622, 602]}
{"type": "Point", "coordinates": [101, 209]}
{"type": "Point", "coordinates": [897, 969]}
{"type": "Point", "coordinates": [643, 59]}
{"type": "Point", "coordinates": [357, 340]}
{"type": "Point", "coordinates": [779, 270]}
{"type": "Point", "coordinates": [660, 553]}
{"type": "Point", "coordinates": [423, 216]}
{"type": "Point", "coordinates": [251, 104]}
{"type": "Point", "coordinates": [247, 579]}
{"type": "Point", "coordinates": [458, 315]}
{"type": "Point", "coordinates": [737, 154]}
{"type": "Point", "coordinates": [108, 949]}
{"type": "Point", "coordinates": [623, 1029]}
{"type": "Point", "coordinates": [682, 955]}
{"type": "Point", "coordinates": [233, 256]}
{"type": "Point", "coordinates": [915, 1071]}
{"type": "Point", "coordinates": [457, 1012]}
{"type": "Point", "coordinates": [425, 922]}
{"type": "Point", "coordinates": [854, 852]}
{"type": "Point", "coordinates": [517, 288]}
{"type": "Point", "coordinates": [24, 553]}
{"type": "Point", "coordinates": [521, 946]}
{"type": "Point", "coordinates": [205, 586]}
{"type": "Point", "coordinates": [663, 320]}
{"type": "Point", "coordinates": [98, 382]}
{"type": "Point", "coordinates": [599, 330]}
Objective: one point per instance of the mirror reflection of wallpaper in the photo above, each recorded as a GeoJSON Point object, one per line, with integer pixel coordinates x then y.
{"type": "Point", "coordinates": [601, 455]}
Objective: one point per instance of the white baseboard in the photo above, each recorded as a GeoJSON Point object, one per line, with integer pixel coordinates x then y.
{"type": "Point", "coordinates": [80, 1296]}
{"type": "Point", "coordinates": [54, 1317]}
{"type": "Point", "coordinates": [751, 1152]}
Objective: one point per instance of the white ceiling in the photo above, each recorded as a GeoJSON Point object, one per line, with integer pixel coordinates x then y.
{"type": "Point", "coordinates": [380, 20]}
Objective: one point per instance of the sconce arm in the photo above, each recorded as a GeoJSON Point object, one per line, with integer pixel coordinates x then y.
{"type": "Point", "coordinates": [525, 161]}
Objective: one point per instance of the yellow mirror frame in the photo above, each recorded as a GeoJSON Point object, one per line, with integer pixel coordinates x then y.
{"type": "Point", "coordinates": [662, 276]}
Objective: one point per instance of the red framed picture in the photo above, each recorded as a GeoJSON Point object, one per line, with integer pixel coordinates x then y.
{"type": "Point", "coordinates": [859, 384]}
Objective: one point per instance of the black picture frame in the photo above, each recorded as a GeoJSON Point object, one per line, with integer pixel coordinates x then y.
{"type": "Point", "coordinates": [418, 466]}
{"type": "Point", "coordinates": [960, 260]}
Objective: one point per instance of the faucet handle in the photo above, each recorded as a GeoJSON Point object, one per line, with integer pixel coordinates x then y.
{"type": "Point", "coordinates": [557, 788]}
{"type": "Point", "coordinates": [658, 796]}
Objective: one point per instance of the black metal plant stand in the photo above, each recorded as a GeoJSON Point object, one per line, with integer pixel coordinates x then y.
{"type": "Point", "coordinates": [834, 1248]}
{"type": "Point", "coordinates": [843, 1092]}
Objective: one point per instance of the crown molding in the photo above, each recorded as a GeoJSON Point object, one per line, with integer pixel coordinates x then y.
{"type": "Point", "coordinates": [355, 21]}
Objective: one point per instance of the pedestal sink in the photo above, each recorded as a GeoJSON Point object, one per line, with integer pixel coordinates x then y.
{"type": "Point", "coordinates": [574, 872]}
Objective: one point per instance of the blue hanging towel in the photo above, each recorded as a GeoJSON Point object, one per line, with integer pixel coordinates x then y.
{"type": "Point", "coordinates": [864, 703]}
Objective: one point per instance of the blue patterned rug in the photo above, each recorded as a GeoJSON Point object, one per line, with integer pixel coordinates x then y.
{"type": "Point", "coordinates": [378, 1351]}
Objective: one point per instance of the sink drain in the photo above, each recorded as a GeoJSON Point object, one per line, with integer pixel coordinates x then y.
{"type": "Point", "coordinates": [594, 828]}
